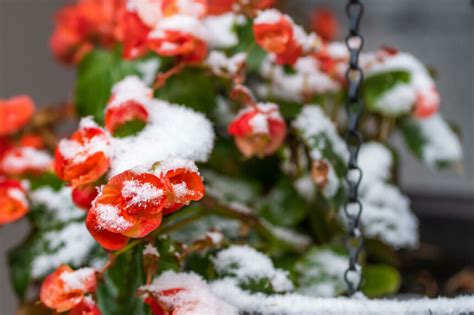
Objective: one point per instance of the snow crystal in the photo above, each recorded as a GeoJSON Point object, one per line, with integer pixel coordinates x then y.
{"type": "Point", "coordinates": [140, 192]}
{"type": "Point", "coordinates": [221, 29]}
{"type": "Point", "coordinates": [376, 161]}
{"type": "Point", "coordinates": [57, 203]}
{"type": "Point", "coordinates": [76, 280]}
{"type": "Point", "coordinates": [27, 157]}
{"type": "Point", "coordinates": [172, 131]}
{"type": "Point", "coordinates": [259, 303]}
{"type": "Point", "coordinates": [71, 245]}
{"type": "Point", "coordinates": [108, 217]}
{"type": "Point", "coordinates": [130, 89]}
{"type": "Point", "coordinates": [180, 189]}
{"type": "Point", "coordinates": [312, 122]}
{"type": "Point", "coordinates": [246, 263]}
{"type": "Point", "coordinates": [442, 144]}
{"type": "Point", "coordinates": [150, 250]}
{"type": "Point", "coordinates": [195, 297]}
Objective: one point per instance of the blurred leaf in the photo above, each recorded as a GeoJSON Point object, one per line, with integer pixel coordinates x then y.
{"type": "Point", "coordinates": [97, 73]}
{"type": "Point", "coordinates": [192, 87]}
{"type": "Point", "coordinates": [376, 85]}
{"type": "Point", "coordinates": [46, 179]}
{"type": "Point", "coordinates": [380, 280]}
{"type": "Point", "coordinates": [129, 128]}
{"type": "Point", "coordinates": [412, 135]}
{"type": "Point", "coordinates": [255, 54]}
{"type": "Point", "coordinates": [282, 205]}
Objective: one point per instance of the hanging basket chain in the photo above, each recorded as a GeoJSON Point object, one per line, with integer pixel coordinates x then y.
{"type": "Point", "coordinates": [354, 108]}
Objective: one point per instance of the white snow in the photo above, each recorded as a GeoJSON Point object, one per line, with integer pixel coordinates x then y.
{"type": "Point", "coordinates": [180, 189]}
{"type": "Point", "coordinates": [221, 29]}
{"type": "Point", "coordinates": [297, 304]}
{"type": "Point", "coordinates": [140, 193]}
{"type": "Point", "coordinates": [221, 64]}
{"type": "Point", "coordinates": [215, 237]}
{"type": "Point", "coordinates": [195, 298]}
{"type": "Point", "coordinates": [71, 245]}
{"type": "Point", "coordinates": [26, 158]}
{"type": "Point", "coordinates": [57, 203]}
{"type": "Point", "coordinates": [264, 112]}
{"type": "Point", "coordinates": [150, 250]}
{"type": "Point", "coordinates": [245, 263]}
{"type": "Point", "coordinates": [173, 164]}
{"type": "Point", "coordinates": [312, 122]}
{"type": "Point", "coordinates": [173, 131]}
{"type": "Point", "coordinates": [108, 217]}
{"type": "Point", "coordinates": [396, 101]}
{"type": "Point", "coordinates": [148, 70]}
{"type": "Point", "coordinates": [130, 89]}
{"type": "Point", "coordinates": [77, 279]}
{"type": "Point", "coordinates": [181, 23]}
{"type": "Point", "coordinates": [270, 16]}
{"type": "Point", "coordinates": [442, 144]}
{"type": "Point", "coordinates": [18, 195]}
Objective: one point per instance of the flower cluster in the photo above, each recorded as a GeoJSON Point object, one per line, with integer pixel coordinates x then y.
{"type": "Point", "coordinates": [21, 155]}
{"type": "Point", "coordinates": [65, 290]}
{"type": "Point", "coordinates": [277, 34]}
{"type": "Point", "coordinates": [132, 203]}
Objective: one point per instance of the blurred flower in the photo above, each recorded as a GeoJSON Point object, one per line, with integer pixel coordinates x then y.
{"type": "Point", "coordinates": [258, 130]}
{"type": "Point", "coordinates": [196, 8]}
{"type": "Point", "coordinates": [325, 24]}
{"type": "Point", "coordinates": [64, 289]}
{"type": "Point", "coordinates": [218, 7]}
{"type": "Point", "coordinates": [129, 205]}
{"type": "Point", "coordinates": [86, 307]}
{"type": "Point", "coordinates": [15, 113]}
{"type": "Point", "coordinates": [13, 202]}
{"type": "Point", "coordinates": [85, 157]}
{"type": "Point", "coordinates": [81, 26]}
{"type": "Point", "coordinates": [427, 103]}
{"type": "Point", "coordinates": [83, 196]}
{"type": "Point", "coordinates": [24, 159]}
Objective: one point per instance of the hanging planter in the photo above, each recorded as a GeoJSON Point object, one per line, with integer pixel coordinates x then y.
{"type": "Point", "coordinates": [226, 161]}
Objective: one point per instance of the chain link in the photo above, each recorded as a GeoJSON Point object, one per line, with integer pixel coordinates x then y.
{"type": "Point", "coordinates": [354, 108]}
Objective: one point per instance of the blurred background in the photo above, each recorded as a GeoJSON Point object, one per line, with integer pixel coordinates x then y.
{"type": "Point", "coordinates": [439, 32]}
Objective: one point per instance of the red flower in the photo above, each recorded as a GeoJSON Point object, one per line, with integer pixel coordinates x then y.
{"type": "Point", "coordinates": [290, 55]}
{"type": "Point", "coordinates": [182, 183]}
{"type": "Point", "coordinates": [86, 307]}
{"type": "Point", "coordinates": [15, 113]}
{"type": "Point", "coordinates": [64, 289]}
{"type": "Point", "coordinates": [325, 24]}
{"type": "Point", "coordinates": [32, 141]}
{"type": "Point", "coordinates": [427, 103]}
{"type": "Point", "coordinates": [13, 202]}
{"type": "Point", "coordinates": [21, 160]}
{"type": "Point", "coordinates": [85, 157]}
{"type": "Point", "coordinates": [179, 36]}
{"type": "Point", "coordinates": [196, 8]}
{"type": "Point", "coordinates": [133, 33]}
{"type": "Point", "coordinates": [172, 302]}
{"type": "Point", "coordinates": [129, 205]}
{"type": "Point", "coordinates": [81, 26]}
{"type": "Point", "coordinates": [273, 31]}
{"type": "Point", "coordinates": [258, 130]}
{"type": "Point", "coordinates": [84, 196]}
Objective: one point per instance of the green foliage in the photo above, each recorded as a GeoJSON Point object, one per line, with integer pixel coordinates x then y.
{"type": "Point", "coordinates": [129, 128]}
{"type": "Point", "coordinates": [96, 75]}
{"type": "Point", "coordinates": [117, 293]}
{"type": "Point", "coordinates": [380, 280]}
{"type": "Point", "coordinates": [414, 138]}
{"type": "Point", "coordinates": [192, 87]}
{"type": "Point", "coordinates": [376, 85]}
{"type": "Point", "coordinates": [46, 179]}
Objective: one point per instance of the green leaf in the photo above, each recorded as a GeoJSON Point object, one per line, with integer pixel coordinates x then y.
{"type": "Point", "coordinates": [380, 280]}
{"type": "Point", "coordinates": [283, 206]}
{"type": "Point", "coordinates": [413, 136]}
{"type": "Point", "coordinates": [46, 179]}
{"type": "Point", "coordinates": [97, 73]}
{"type": "Point", "coordinates": [376, 85]}
{"type": "Point", "coordinates": [192, 87]}
{"type": "Point", "coordinates": [129, 128]}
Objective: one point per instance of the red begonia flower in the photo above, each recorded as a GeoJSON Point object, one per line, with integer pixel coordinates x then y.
{"type": "Point", "coordinates": [65, 288]}
{"type": "Point", "coordinates": [196, 8]}
{"type": "Point", "coordinates": [129, 206]}
{"type": "Point", "coordinates": [86, 307]}
{"type": "Point", "coordinates": [85, 157]}
{"type": "Point", "coordinates": [83, 196]}
{"type": "Point", "coordinates": [13, 202]}
{"type": "Point", "coordinates": [15, 113]}
{"type": "Point", "coordinates": [273, 31]}
{"type": "Point", "coordinates": [258, 130]}
{"type": "Point", "coordinates": [118, 115]}
{"type": "Point", "coordinates": [133, 33]}
{"type": "Point", "coordinates": [325, 24]}
{"type": "Point", "coordinates": [182, 183]}
{"type": "Point", "coordinates": [178, 44]}
{"type": "Point", "coordinates": [25, 160]}
{"type": "Point", "coordinates": [427, 103]}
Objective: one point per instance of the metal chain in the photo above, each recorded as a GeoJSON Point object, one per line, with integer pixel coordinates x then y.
{"type": "Point", "coordinates": [354, 108]}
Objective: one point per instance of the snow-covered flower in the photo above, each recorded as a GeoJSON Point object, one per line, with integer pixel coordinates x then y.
{"type": "Point", "coordinates": [65, 288]}
{"type": "Point", "coordinates": [15, 112]}
{"type": "Point", "coordinates": [258, 130]}
{"type": "Point", "coordinates": [85, 157]}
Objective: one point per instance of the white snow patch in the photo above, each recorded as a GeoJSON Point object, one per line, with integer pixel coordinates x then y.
{"type": "Point", "coordinates": [221, 29]}
{"type": "Point", "coordinates": [76, 280]}
{"type": "Point", "coordinates": [108, 217]}
{"type": "Point", "coordinates": [57, 203]}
